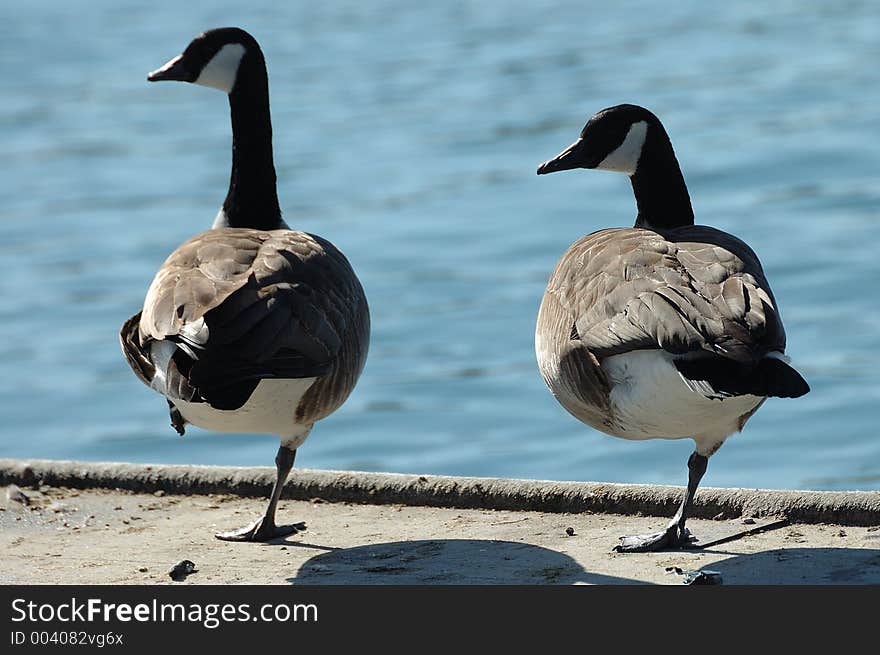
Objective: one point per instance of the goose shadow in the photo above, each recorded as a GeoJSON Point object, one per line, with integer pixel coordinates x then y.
{"type": "Point", "coordinates": [447, 561]}
{"type": "Point", "coordinates": [796, 566]}
{"type": "Point", "coordinates": [496, 562]}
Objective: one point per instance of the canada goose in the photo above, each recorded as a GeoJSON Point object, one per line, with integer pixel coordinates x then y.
{"type": "Point", "coordinates": [250, 326]}
{"type": "Point", "coordinates": [666, 330]}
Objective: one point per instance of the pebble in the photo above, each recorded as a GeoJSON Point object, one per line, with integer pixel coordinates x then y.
{"type": "Point", "coordinates": [182, 569]}
{"type": "Point", "coordinates": [16, 495]}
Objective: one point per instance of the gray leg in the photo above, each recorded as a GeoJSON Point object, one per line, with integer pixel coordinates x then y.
{"type": "Point", "coordinates": [177, 420]}
{"type": "Point", "coordinates": [675, 535]}
{"type": "Point", "coordinates": [264, 529]}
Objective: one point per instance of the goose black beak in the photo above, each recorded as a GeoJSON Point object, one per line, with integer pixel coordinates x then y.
{"type": "Point", "coordinates": [574, 156]}
{"type": "Point", "coordinates": [174, 70]}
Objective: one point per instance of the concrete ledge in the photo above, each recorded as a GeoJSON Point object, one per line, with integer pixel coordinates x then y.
{"type": "Point", "coordinates": [854, 508]}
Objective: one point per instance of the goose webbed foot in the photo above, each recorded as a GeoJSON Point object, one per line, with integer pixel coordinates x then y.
{"type": "Point", "coordinates": [261, 530]}
{"type": "Point", "coordinates": [675, 535]}
{"type": "Point", "coordinates": [671, 537]}
{"type": "Point", "coordinates": [264, 529]}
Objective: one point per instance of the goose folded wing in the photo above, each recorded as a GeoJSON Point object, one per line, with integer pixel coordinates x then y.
{"type": "Point", "coordinates": [245, 305]}
{"type": "Point", "coordinates": [694, 299]}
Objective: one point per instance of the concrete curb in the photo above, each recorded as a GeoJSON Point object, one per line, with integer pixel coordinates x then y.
{"type": "Point", "coordinates": [855, 508]}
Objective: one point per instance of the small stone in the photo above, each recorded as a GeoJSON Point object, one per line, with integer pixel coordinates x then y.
{"type": "Point", "coordinates": [569, 531]}
{"type": "Point", "coordinates": [159, 493]}
{"type": "Point", "coordinates": [182, 569]}
{"type": "Point", "coordinates": [143, 569]}
{"type": "Point", "coordinates": [703, 577]}
{"type": "Point", "coordinates": [16, 495]}
{"type": "Point", "coordinates": [841, 533]}
{"type": "Point", "coordinates": [749, 521]}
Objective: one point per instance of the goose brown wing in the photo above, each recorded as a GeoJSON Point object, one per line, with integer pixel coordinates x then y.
{"type": "Point", "coordinates": [690, 290]}
{"type": "Point", "coordinates": [243, 305]}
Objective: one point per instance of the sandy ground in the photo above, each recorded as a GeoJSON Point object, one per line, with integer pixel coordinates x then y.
{"type": "Point", "coordinates": [68, 536]}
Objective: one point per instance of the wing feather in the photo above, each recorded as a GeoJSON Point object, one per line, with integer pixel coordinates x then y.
{"type": "Point", "coordinates": [248, 304]}
{"type": "Point", "coordinates": [688, 290]}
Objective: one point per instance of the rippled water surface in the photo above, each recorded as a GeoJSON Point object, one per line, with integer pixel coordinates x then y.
{"type": "Point", "coordinates": [409, 136]}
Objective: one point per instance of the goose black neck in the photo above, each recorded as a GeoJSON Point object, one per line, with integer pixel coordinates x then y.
{"type": "Point", "coordinates": [252, 200]}
{"type": "Point", "coordinates": [658, 184]}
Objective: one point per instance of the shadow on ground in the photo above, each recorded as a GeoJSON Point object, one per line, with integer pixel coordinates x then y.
{"type": "Point", "coordinates": [476, 561]}
{"type": "Point", "coordinates": [447, 561]}
{"type": "Point", "coordinates": [791, 566]}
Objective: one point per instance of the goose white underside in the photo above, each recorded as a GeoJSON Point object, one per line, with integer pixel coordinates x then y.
{"type": "Point", "coordinates": [271, 409]}
{"type": "Point", "coordinates": [650, 400]}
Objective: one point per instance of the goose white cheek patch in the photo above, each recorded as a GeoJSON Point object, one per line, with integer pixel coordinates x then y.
{"type": "Point", "coordinates": [625, 157]}
{"type": "Point", "coordinates": [220, 72]}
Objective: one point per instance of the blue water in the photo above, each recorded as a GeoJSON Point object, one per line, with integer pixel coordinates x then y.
{"type": "Point", "coordinates": [409, 136]}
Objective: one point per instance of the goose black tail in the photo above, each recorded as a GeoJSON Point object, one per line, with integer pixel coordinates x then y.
{"type": "Point", "coordinates": [717, 377]}
{"type": "Point", "coordinates": [779, 379]}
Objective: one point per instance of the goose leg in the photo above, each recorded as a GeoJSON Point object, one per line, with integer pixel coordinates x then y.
{"type": "Point", "coordinates": [177, 420]}
{"type": "Point", "coordinates": [264, 529]}
{"type": "Point", "coordinates": [675, 535]}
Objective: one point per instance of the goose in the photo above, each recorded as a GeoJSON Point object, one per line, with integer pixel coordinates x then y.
{"type": "Point", "coordinates": [250, 326]}
{"type": "Point", "coordinates": [666, 330]}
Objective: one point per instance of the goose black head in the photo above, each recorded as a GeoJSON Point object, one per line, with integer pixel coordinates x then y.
{"type": "Point", "coordinates": [612, 140]}
{"type": "Point", "coordinates": [630, 139]}
{"type": "Point", "coordinates": [211, 59]}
